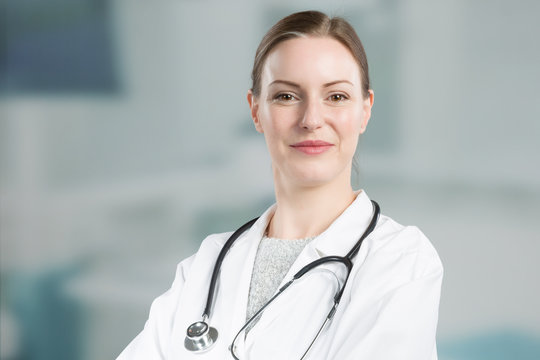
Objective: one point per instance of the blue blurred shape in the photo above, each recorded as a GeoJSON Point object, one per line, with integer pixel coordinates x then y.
{"type": "Point", "coordinates": [57, 46]}
{"type": "Point", "coordinates": [497, 345]}
{"type": "Point", "coordinates": [50, 322]}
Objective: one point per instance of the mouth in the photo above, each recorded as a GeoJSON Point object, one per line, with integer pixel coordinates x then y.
{"type": "Point", "coordinates": [312, 147]}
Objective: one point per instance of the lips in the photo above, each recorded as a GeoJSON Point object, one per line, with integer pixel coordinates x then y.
{"type": "Point", "coordinates": [312, 147]}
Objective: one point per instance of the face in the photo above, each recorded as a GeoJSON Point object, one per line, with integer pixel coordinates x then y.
{"type": "Point", "coordinates": [311, 110]}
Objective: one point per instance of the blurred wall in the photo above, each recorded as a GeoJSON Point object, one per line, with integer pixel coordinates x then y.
{"type": "Point", "coordinates": [125, 138]}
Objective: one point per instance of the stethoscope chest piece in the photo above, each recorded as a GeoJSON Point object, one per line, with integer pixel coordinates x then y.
{"type": "Point", "coordinates": [200, 337]}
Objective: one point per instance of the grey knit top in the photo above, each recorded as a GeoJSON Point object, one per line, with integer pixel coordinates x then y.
{"type": "Point", "coordinates": [272, 262]}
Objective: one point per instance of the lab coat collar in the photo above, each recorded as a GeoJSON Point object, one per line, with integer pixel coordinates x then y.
{"type": "Point", "coordinates": [258, 229]}
{"type": "Point", "coordinates": [340, 236]}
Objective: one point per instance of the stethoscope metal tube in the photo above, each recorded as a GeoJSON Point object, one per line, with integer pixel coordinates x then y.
{"type": "Point", "coordinates": [232, 347]}
{"type": "Point", "coordinates": [201, 337]}
{"type": "Point", "coordinates": [343, 260]}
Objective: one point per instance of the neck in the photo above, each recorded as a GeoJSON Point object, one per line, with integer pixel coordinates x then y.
{"type": "Point", "coordinates": [306, 211]}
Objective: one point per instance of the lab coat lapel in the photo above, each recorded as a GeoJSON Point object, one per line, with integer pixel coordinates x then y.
{"type": "Point", "coordinates": [345, 231]}
{"type": "Point", "coordinates": [253, 237]}
{"type": "Point", "coordinates": [308, 255]}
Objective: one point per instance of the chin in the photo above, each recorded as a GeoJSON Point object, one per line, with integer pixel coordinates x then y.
{"type": "Point", "coordinates": [317, 176]}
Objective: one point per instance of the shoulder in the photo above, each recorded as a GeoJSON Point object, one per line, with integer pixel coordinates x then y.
{"type": "Point", "coordinates": [396, 259]}
{"type": "Point", "coordinates": [392, 236]}
{"type": "Point", "coordinates": [214, 242]}
{"type": "Point", "coordinates": [207, 252]}
{"type": "Point", "coordinates": [209, 248]}
{"type": "Point", "coordinates": [407, 247]}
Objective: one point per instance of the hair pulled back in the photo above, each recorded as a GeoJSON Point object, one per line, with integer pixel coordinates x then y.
{"type": "Point", "coordinates": [305, 24]}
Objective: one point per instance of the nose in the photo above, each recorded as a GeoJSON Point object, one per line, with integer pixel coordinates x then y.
{"type": "Point", "coordinates": [312, 117]}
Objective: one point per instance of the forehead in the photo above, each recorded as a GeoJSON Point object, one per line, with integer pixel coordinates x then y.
{"type": "Point", "coordinates": [311, 60]}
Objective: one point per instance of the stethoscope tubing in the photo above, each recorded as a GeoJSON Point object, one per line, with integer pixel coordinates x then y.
{"type": "Point", "coordinates": [228, 244]}
{"type": "Point", "coordinates": [217, 266]}
{"type": "Point", "coordinates": [344, 260]}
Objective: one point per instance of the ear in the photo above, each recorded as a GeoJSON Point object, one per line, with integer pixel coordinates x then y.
{"type": "Point", "coordinates": [254, 107]}
{"type": "Point", "coordinates": [367, 105]}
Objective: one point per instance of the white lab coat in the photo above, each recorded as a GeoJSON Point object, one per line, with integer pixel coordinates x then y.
{"type": "Point", "coordinates": [388, 310]}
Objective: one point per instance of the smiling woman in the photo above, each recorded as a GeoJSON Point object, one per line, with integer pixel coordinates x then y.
{"type": "Point", "coordinates": [311, 103]}
{"type": "Point", "coordinates": [364, 286]}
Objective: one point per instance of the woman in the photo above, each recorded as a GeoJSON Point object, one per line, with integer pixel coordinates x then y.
{"type": "Point", "coordinates": [311, 99]}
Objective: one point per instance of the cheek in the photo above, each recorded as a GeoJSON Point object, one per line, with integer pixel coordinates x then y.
{"type": "Point", "coordinates": [272, 131]}
{"type": "Point", "coordinates": [278, 121]}
{"type": "Point", "coordinates": [350, 124]}
{"type": "Point", "coordinates": [348, 127]}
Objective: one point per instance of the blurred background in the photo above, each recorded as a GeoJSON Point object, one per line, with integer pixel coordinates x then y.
{"type": "Point", "coordinates": [125, 139]}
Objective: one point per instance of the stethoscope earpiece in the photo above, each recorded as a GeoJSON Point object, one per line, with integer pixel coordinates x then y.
{"type": "Point", "coordinates": [200, 337]}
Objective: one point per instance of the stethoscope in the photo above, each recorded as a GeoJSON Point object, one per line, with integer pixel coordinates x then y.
{"type": "Point", "coordinates": [200, 336]}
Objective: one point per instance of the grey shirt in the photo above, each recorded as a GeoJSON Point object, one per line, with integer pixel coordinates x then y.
{"type": "Point", "coordinates": [272, 262]}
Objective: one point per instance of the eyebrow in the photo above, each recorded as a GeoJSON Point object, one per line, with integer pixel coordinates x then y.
{"type": "Point", "coordinates": [290, 83]}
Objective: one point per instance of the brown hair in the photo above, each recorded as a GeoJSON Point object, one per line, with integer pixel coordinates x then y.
{"type": "Point", "coordinates": [310, 23]}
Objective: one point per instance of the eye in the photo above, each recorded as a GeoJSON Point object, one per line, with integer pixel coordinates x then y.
{"type": "Point", "coordinates": [285, 97]}
{"type": "Point", "coordinates": [337, 97]}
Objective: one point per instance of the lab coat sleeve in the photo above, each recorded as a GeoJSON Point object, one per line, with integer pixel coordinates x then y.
{"type": "Point", "coordinates": [153, 341]}
{"type": "Point", "coordinates": [399, 323]}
